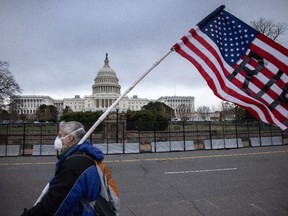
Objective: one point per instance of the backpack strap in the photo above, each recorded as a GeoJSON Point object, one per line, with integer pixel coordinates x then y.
{"type": "Point", "coordinates": [80, 153]}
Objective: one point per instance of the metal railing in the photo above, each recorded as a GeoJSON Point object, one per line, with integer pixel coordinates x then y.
{"type": "Point", "coordinates": [29, 139]}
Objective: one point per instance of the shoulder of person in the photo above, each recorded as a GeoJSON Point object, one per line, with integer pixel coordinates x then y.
{"type": "Point", "coordinates": [79, 158]}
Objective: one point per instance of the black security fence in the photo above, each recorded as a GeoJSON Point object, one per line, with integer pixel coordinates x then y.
{"type": "Point", "coordinates": [21, 138]}
{"type": "Point", "coordinates": [135, 137]}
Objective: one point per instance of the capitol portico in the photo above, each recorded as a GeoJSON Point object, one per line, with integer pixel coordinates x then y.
{"type": "Point", "coordinates": [105, 91]}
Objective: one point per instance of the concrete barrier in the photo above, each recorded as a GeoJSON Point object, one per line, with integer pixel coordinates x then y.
{"type": "Point", "coordinates": [223, 143]}
{"type": "Point", "coordinates": [265, 141]}
{"type": "Point", "coordinates": [9, 150]}
{"type": "Point", "coordinates": [44, 150]}
{"type": "Point", "coordinates": [173, 146]}
{"type": "Point", "coordinates": [111, 148]}
{"type": "Point", "coordinates": [132, 148]}
{"type": "Point", "coordinates": [117, 148]}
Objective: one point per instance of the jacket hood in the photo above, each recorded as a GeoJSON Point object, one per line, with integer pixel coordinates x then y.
{"type": "Point", "coordinates": [85, 147]}
{"type": "Point", "coordinates": [94, 152]}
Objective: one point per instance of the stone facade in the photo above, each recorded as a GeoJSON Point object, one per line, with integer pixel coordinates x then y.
{"type": "Point", "coordinates": [183, 105]}
{"type": "Point", "coordinates": [105, 91]}
{"type": "Point", "coordinates": [28, 104]}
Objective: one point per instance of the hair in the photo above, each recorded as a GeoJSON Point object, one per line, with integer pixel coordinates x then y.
{"type": "Point", "coordinates": [74, 128]}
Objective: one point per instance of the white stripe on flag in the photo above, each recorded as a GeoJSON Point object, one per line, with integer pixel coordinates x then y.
{"type": "Point", "coordinates": [230, 85]}
{"type": "Point", "coordinates": [280, 56]}
{"type": "Point", "coordinates": [279, 109]}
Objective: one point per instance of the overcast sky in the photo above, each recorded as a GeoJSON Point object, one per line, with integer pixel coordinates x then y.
{"type": "Point", "coordinates": [56, 48]}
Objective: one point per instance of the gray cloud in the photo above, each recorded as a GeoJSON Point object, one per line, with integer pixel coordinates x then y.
{"type": "Point", "coordinates": [57, 47]}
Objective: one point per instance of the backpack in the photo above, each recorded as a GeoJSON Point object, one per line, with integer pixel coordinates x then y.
{"type": "Point", "coordinates": [108, 204]}
{"type": "Point", "coordinates": [109, 201]}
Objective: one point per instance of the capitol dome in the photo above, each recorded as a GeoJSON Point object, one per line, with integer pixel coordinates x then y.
{"type": "Point", "coordinates": [106, 81]}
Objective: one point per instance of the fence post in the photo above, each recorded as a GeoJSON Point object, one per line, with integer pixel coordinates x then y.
{"type": "Point", "coordinates": [169, 135]}
{"type": "Point", "coordinates": [6, 147]}
{"type": "Point", "coordinates": [236, 130]}
{"type": "Point", "coordinates": [139, 139]}
{"type": "Point", "coordinates": [41, 131]}
{"type": "Point", "coordinates": [282, 134]}
{"type": "Point", "coordinates": [183, 127]}
{"type": "Point", "coordinates": [106, 136]}
{"type": "Point", "coordinates": [248, 131]}
{"type": "Point", "coordinates": [123, 138]}
{"type": "Point", "coordinates": [271, 134]}
{"type": "Point", "coordinates": [197, 134]}
{"type": "Point", "coordinates": [223, 133]}
{"type": "Point", "coordinates": [210, 134]}
{"type": "Point", "coordinates": [259, 129]}
{"type": "Point", "coordinates": [24, 138]}
{"type": "Point", "coordinates": [155, 137]}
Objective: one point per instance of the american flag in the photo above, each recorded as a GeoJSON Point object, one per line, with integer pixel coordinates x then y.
{"type": "Point", "coordinates": [240, 65]}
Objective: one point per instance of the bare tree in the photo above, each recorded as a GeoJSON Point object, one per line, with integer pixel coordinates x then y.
{"type": "Point", "coordinates": [203, 112]}
{"type": "Point", "coordinates": [227, 110]}
{"type": "Point", "coordinates": [269, 28]}
{"type": "Point", "coordinates": [230, 111]}
{"type": "Point", "coordinates": [8, 85]}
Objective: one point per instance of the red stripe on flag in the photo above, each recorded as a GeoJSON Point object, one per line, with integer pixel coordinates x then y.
{"type": "Point", "coordinates": [272, 43]}
{"type": "Point", "coordinates": [269, 57]}
{"type": "Point", "coordinates": [260, 85]}
{"type": "Point", "coordinates": [246, 99]}
{"type": "Point", "coordinates": [257, 92]}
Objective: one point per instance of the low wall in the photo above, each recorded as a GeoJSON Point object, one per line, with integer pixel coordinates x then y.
{"type": "Point", "coordinates": [265, 141]}
{"type": "Point", "coordinates": [9, 150]}
{"type": "Point", "coordinates": [223, 143]}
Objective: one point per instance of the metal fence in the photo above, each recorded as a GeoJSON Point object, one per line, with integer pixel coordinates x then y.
{"type": "Point", "coordinates": [29, 139]}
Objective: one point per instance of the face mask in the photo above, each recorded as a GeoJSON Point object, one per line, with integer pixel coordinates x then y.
{"type": "Point", "coordinates": [58, 143]}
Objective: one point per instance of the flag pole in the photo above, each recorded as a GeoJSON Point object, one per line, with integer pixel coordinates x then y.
{"type": "Point", "coordinates": [103, 116]}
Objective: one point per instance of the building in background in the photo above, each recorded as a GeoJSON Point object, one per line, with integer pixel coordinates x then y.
{"type": "Point", "coordinates": [182, 105]}
{"type": "Point", "coordinates": [29, 104]}
{"type": "Point", "coordinates": [76, 104]}
{"type": "Point", "coordinates": [105, 91]}
{"type": "Point", "coordinates": [135, 103]}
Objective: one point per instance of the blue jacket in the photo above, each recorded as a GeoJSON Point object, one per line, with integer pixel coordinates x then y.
{"type": "Point", "coordinates": [75, 179]}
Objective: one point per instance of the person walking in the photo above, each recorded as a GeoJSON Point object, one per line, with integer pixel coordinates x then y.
{"type": "Point", "coordinates": [75, 179]}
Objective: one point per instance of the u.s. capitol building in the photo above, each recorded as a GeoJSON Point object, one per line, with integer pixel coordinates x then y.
{"type": "Point", "coordinates": [105, 91]}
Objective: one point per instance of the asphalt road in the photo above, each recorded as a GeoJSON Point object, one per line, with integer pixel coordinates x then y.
{"type": "Point", "coordinates": [248, 181]}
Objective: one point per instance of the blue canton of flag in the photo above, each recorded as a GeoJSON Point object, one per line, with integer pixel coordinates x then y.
{"type": "Point", "coordinates": [231, 35]}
